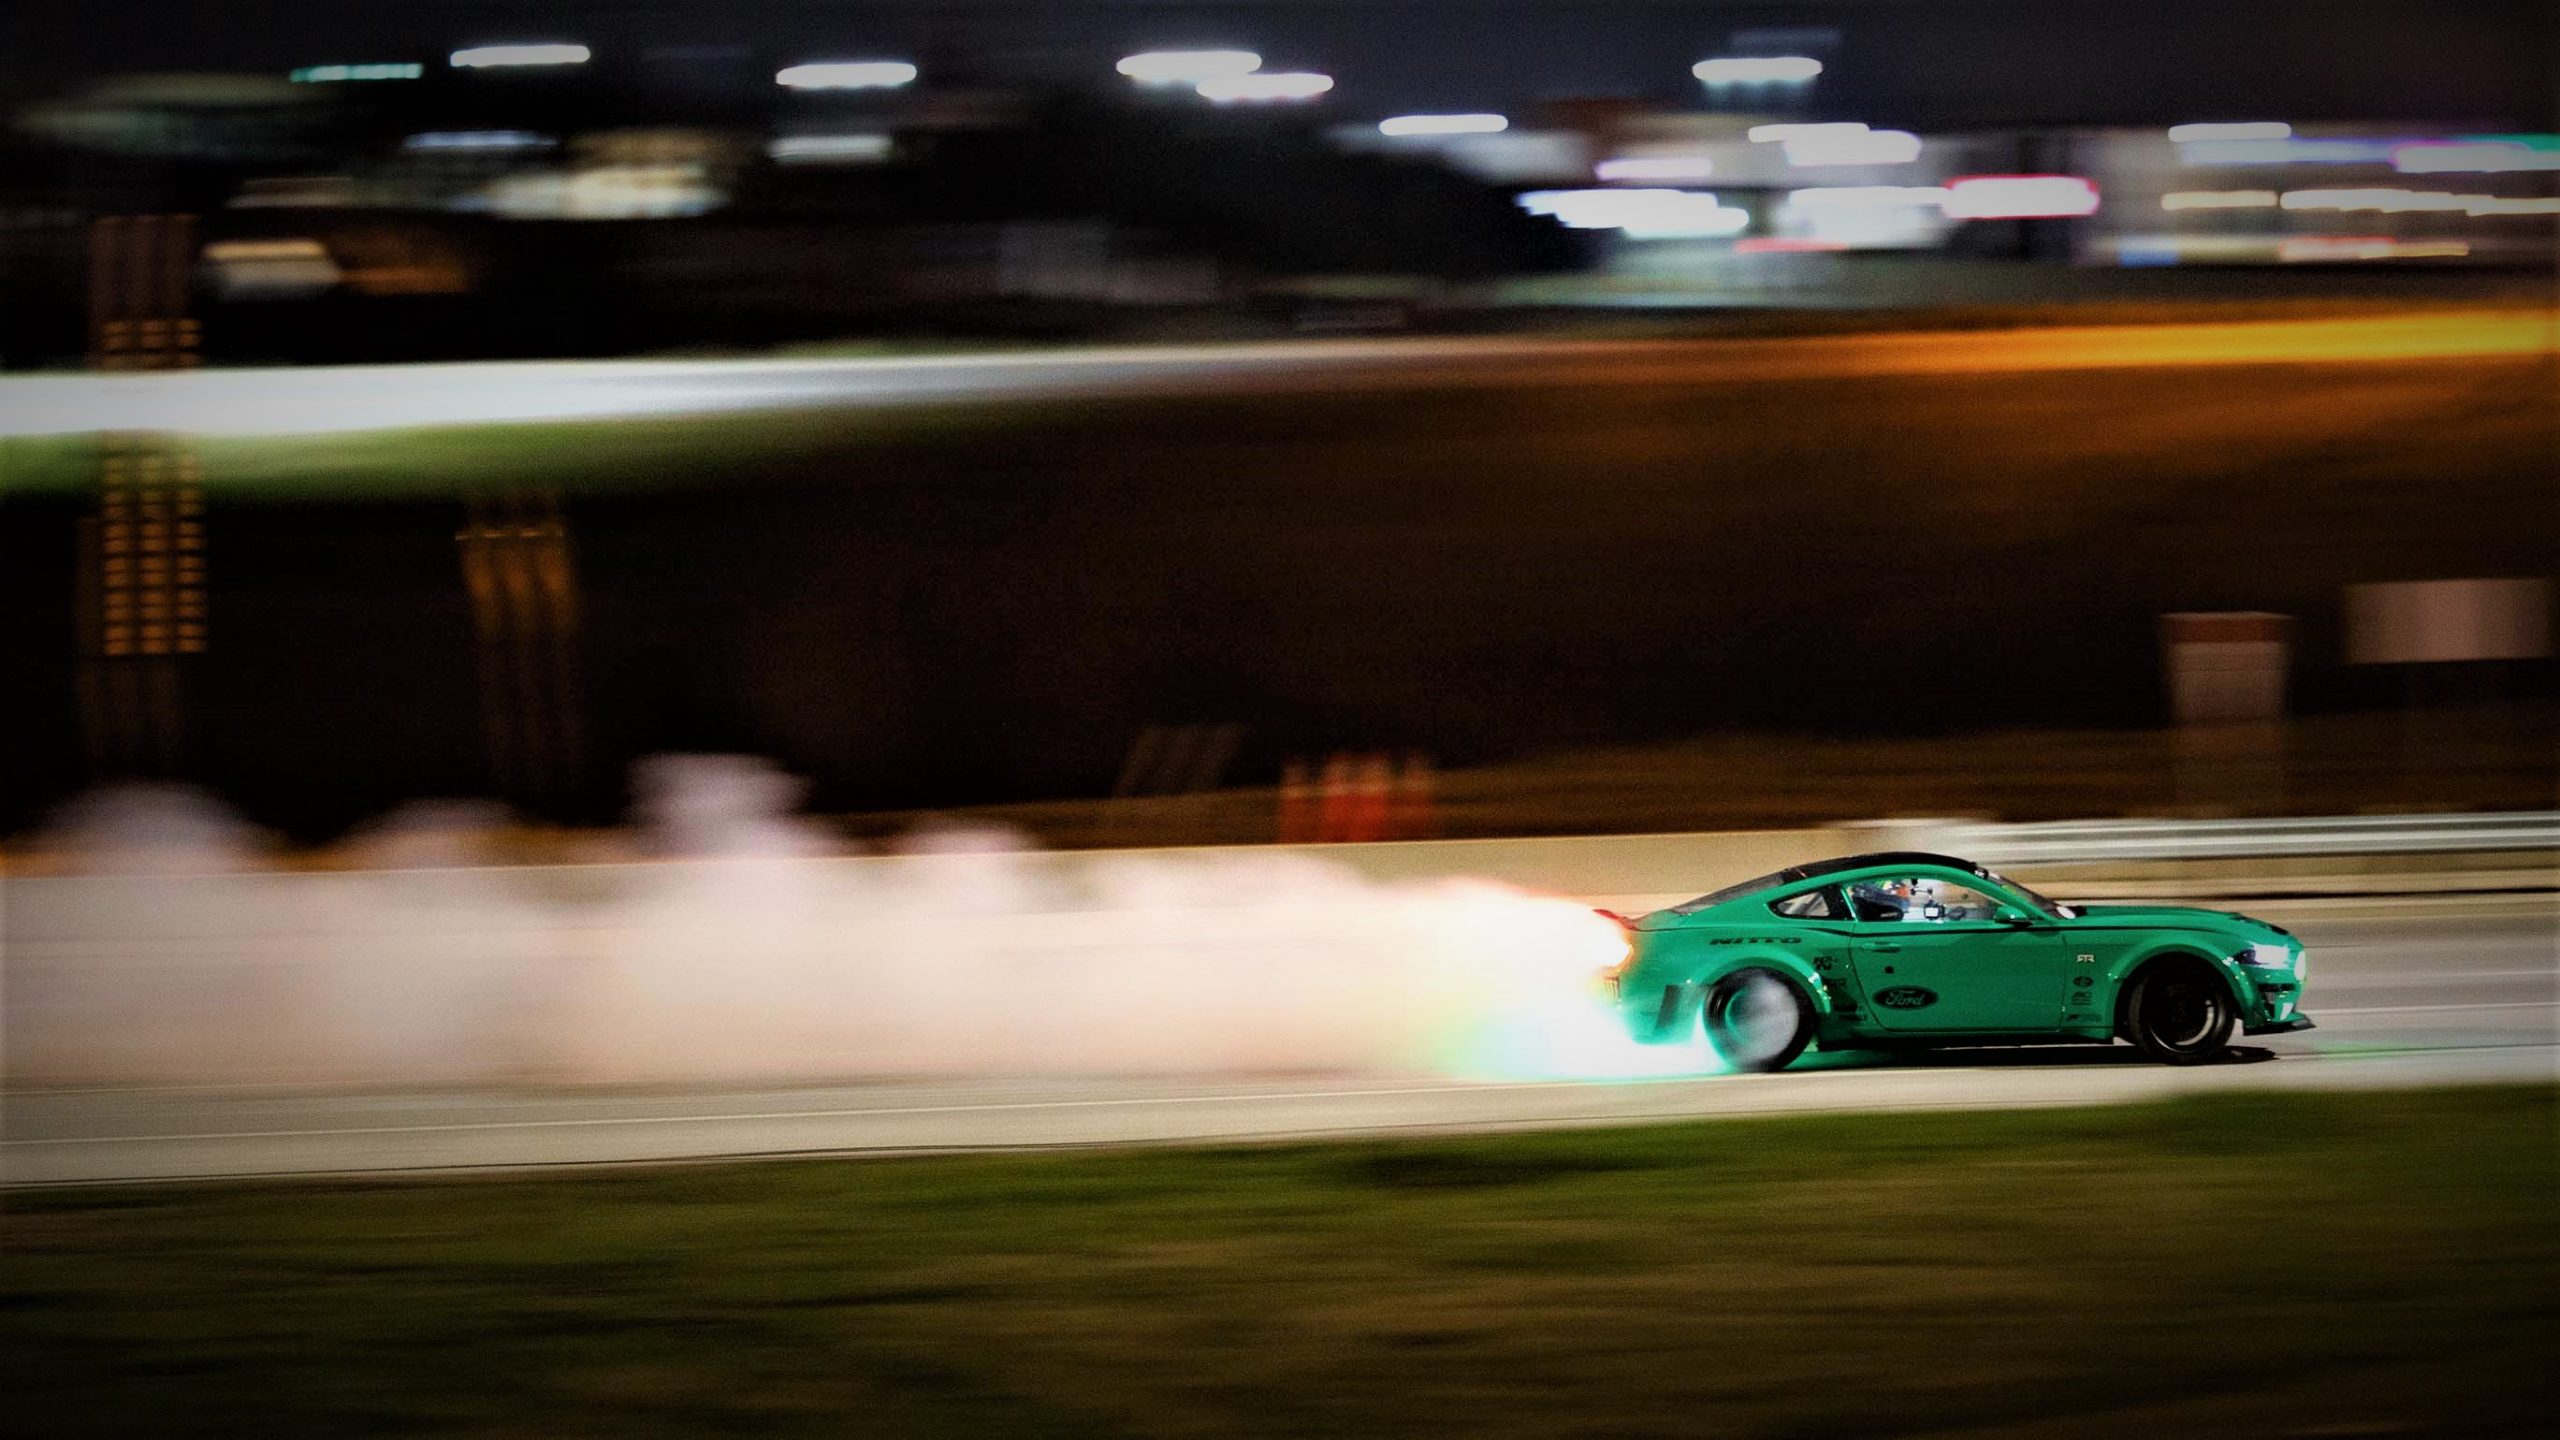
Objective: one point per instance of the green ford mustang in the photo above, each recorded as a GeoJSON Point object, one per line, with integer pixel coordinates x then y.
{"type": "Point", "coordinates": [1879, 952]}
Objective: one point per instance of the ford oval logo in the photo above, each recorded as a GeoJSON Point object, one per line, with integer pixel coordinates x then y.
{"type": "Point", "coordinates": [1907, 997]}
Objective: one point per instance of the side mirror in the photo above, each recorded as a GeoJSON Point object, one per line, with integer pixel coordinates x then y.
{"type": "Point", "coordinates": [2012, 915]}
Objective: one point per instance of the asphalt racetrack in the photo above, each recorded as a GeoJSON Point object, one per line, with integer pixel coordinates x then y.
{"type": "Point", "coordinates": [2406, 993]}
{"type": "Point", "coordinates": [325, 399]}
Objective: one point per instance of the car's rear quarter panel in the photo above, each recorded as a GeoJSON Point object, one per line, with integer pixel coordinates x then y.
{"type": "Point", "coordinates": [1660, 990]}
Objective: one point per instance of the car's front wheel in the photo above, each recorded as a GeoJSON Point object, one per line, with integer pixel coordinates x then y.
{"type": "Point", "coordinates": [1757, 1020]}
{"type": "Point", "coordinates": [2180, 1014]}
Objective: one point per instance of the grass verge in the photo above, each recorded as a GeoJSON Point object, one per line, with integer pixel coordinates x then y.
{"type": "Point", "coordinates": [2262, 1264]}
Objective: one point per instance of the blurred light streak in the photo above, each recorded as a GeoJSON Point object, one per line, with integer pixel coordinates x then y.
{"type": "Point", "coordinates": [604, 192]}
{"type": "Point", "coordinates": [2234, 130]}
{"type": "Point", "coordinates": [846, 75]}
{"type": "Point", "coordinates": [1188, 67]}
{"type": "Point", "coordinates": [1782, 245]}
{"type": "Point", "coordinates": [1757, 69]}
{"type": "Point", "coordinates": [490, 57]}
{"type": "Point", "coordinates": [1468, 124]}
{"type": "Point", "coordinates": [830, 149]}
{"type": "Point", "coordinates": [2500, 205]}
{"type": "Point", "coordinates": [267, 269]}
{"type": "Point", "coordinates": [1868, 217]}
{"type": "Point", "coordinates": [336, 399]}
{"type": "Point", "coordinates": [1797, 130]}
{"type": "Point", "coordinates": [2020, 197]}
{"type": "Point", "coordinates": [2133, 250]}
{"type": "Point", "coordinates": [329, 74]}
{"type": "Point", "coordinates": [1264, 86]}
{"type": "Point", "coordinates": [2472, 157]}
{"type": "Point", "coordinates": [1640, 214]}
{"type": "Point", "coordinates": [1868, 197]}
{"type": "Point", "coordinates": [2218, 200]}
{"type": "Point", "coordinates": [1870, 147]}
{"type": "Point", "coordinates": [477, 140]}
{"type": "Point", "coordinates": [2367, 247]}
{"type": "Point", "coordinates": [2386, 201]}
{"type": "Point", "coordinates": [1655, 167]}
{"type": "Point", "coordinates": [2295, 151]}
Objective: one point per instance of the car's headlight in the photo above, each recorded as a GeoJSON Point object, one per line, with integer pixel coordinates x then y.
{"type": "Point", "coordinates": [2273, 957]}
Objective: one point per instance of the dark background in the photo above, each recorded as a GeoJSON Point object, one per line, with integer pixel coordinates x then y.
{"type": "Point", "coordinates": [989, 604]}
{"type": "Point", "coordinates": [1932, 63]}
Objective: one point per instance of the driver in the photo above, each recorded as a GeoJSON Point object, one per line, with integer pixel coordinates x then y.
{"type": "Point", "coordinates": [1871, 901]}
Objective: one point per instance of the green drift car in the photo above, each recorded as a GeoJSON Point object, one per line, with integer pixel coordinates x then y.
{"type": "Point", "coordinates": [1911, 950]}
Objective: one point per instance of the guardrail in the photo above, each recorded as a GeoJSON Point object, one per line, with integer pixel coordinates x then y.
{"type": "Point", "coordinates": [2066, 842]}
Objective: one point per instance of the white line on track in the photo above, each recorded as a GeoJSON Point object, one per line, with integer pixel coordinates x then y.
{"type": "Point", "coordinates": [982, 1107]}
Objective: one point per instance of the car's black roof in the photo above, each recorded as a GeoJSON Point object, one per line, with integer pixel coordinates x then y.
{"type": "Point", "coordinates": [1813, 869]}
{"type": "Point", "coordinates": [1881, 857]}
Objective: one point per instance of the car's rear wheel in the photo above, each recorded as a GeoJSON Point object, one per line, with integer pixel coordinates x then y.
{"type": "Point", "coordinates": [1757, 1020]}
{"type": "Point", "coordinates": [2180, 1013]}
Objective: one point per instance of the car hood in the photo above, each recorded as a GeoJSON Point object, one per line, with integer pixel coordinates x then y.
{"type": "Point", "coordinates": [2181, 917]}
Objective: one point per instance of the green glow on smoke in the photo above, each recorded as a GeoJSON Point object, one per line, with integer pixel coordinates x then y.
{"type": "Point", "coordinates": [1578, 1039]}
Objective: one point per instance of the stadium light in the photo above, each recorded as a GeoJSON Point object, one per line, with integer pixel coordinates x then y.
{"type": "Point", "coordinates": [1188, 67]}
{"type": "Point", "coordinates": [1265, 86]}
{"type": "Point", "coordinates": [494, 57]}
{"type": "Point", "coordinates": [1757, 69]}
{"type": "Point", "coordinates": [1478, 124]}
{"type": "Point", "coordinates": [846, 75]}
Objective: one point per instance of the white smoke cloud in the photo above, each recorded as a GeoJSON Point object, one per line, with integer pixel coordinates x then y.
{"type": "Point", "coordinates": [755, 961]}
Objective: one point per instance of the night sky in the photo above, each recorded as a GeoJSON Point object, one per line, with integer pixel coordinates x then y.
{"type": "Point", "coordinates": [1940, 63]}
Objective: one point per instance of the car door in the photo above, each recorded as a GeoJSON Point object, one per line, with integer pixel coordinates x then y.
{"type": "Point", "coordinates": [1931, 957]}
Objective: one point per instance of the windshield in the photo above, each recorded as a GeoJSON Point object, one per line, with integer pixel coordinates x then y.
{"type": "Point", "coordinates": [2049, 906]}
{"type": "Point", "coordinates": [1714, 898]}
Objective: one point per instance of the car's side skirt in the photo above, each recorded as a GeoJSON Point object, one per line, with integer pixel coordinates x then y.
{"type": "Point", "coordinates": [1863, 1039]}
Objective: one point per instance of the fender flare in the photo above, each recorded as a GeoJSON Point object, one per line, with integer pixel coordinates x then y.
{"type": "Point", "coordinates": [1795, 971]}
{"type": "Point", "coordinates": [2169, 953]}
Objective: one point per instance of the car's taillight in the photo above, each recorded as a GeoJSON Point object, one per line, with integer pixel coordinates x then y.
{"type": "Point", "coordinates": [1627, 944]}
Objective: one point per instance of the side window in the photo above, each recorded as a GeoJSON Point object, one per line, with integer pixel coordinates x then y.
{"type": "Point", "coordinates": [1919, 900]}
{"type": "Point", "coordinates": [1822, 904]}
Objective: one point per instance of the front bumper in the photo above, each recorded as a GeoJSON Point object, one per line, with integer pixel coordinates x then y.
{"type": "Point", "coordinates": [2279, 1027]}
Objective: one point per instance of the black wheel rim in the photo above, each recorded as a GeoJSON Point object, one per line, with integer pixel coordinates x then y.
{"type": "Point", "coordinates": [1753, 1019]}
{"type": "Point", "coordinates": [2181, 1015]}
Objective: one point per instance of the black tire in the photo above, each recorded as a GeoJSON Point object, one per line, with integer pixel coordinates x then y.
{"type": "Point", "coordinates": [1757, 1019]}
{"type": "Point", "coordinates": [2180, 1013]}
